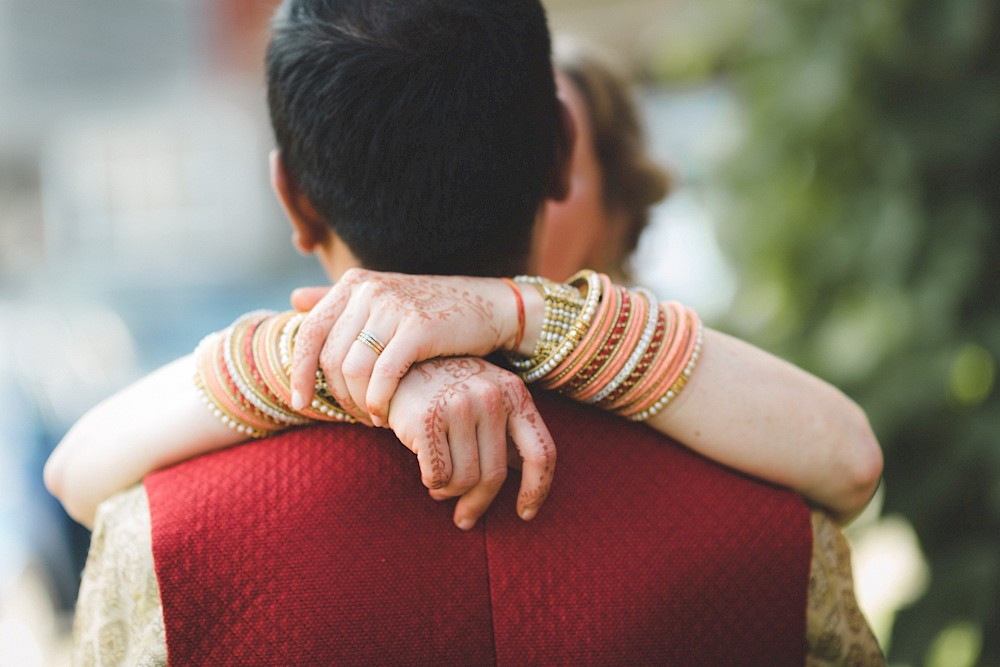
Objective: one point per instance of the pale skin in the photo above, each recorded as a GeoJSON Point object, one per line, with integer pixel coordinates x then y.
{"type": "Point", "coordinates": [743, 407]}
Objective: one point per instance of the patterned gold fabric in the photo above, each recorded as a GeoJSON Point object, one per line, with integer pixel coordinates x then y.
{"type": "Point", "coordinates": [836, 631]}
{"type": "Point", "coordinates": [119, 621]}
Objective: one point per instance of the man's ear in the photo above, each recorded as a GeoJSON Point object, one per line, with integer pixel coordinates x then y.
{"type": "Point", "coordinates": [559, 178]}
{"type": "Point", "coordinates": [309, 229]}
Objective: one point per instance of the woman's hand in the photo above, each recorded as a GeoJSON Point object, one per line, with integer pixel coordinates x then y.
{"type": "Point", "coordinates": [455, 414]}
{"type": "Point", "coordinates": [412, 318]}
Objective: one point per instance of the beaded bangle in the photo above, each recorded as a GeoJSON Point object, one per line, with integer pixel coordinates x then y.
{"type": "Point", "coordinates": [323, 403]}
{"type": "Point", "coordinates": [250, 362]}
{"type": "Point", "coordinates": [617, 356]}
{"type": "Point", "coordinates": [605, 359]}
{"type": "Point", "coordinates": [229, 361]}
{"type": "Point", "coordinates": [268, 362]}
{"type": "Point", "coordinates": [562, 305]}
{"type": "Point", "coordinates": [213, 393]}
{"type": "Point", "coordinates": [674, 372]}
{"type": "Point", "coordinates": [245, 411]}
{"type": "Point", "coordinates": [660, 364]}
{"type": "Point", "coordinates": [234, 349]}
{"type": "Point", "coordinates": [242, 374]}
{"type": "Point", "coordinates": [677, 387]}
{"type": "Point", "coordinates": [638, 351]}
{"type": "Point", "coordinates": [572, 323]}
{"type": "Point", "coordinates": [570, 375]}
{"type": "Point", "coordinates": [642, 368]}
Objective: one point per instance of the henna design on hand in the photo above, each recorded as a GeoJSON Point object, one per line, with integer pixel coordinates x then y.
{"type": "Point", "coordinates": [429, 299]}
{"type": "Point", "coordinates": [321, 317]}
{"type": "Point", "coordinates": [517, 403]}
{"type": "Point", "coordinates": [520, 404]}
{"type": "Point", "coordinates": [459, 370]}
{"type": "Point", "coordinates": [306, 346]}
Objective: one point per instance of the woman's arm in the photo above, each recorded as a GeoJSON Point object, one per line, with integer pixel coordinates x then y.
{"type": "Point", "coordinates": [742, 407]}
{"type": "Point", "coordinates": [754, 412]}
{"type": "Point", "coordinates": [156, 422]}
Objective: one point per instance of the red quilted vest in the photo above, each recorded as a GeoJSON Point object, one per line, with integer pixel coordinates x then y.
{"type": "Point", "coordinates": [321, 547]}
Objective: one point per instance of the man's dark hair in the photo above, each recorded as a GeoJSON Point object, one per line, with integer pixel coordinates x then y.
{"type": "Point", "coordinates": [424, 131]}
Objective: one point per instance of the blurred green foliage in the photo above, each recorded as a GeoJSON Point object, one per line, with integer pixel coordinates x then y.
{"type": "Point", "coordinates": [862, 213]}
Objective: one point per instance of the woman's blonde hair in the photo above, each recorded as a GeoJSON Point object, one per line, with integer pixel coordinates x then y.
{"type": "Point", "coordinates": [632, 181]}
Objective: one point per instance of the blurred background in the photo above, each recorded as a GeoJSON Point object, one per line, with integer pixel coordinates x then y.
{"type": "Point", "coordinates": [840, 188]}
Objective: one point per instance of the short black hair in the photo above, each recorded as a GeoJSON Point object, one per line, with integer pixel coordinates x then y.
{"type": "Point", "coordinates": [424, 131]}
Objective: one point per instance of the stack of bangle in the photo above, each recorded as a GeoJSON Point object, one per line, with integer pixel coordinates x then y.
{"type": "Point", "coordinates": [242, 373]}
{"type": "Point", "coordinates": [608, 346]}
{"type": "Point", "coordinates": [567, 318]}
{"type": "Point", "coordinates": [600, 344]}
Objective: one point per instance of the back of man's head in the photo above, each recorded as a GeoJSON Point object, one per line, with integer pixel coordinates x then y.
{"type": "Point", "coordinates": [424, 131]}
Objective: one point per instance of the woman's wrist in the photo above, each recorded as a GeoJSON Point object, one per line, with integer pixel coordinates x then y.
{"type": "Point", "coordinates": [534, 313]}
{"type": "Point", "coordinates": [242, 376]}
{"type": "Point", "coordinates": [523, 314]}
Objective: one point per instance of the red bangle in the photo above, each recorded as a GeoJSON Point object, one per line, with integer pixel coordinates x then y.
{"type": "Point", "coordinates": [520, 314]}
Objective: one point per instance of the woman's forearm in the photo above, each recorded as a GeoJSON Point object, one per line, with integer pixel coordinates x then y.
{"type": "Point", "coordinates": [754, 412]}
{"type": "Point", "coordinates": [156, 422]}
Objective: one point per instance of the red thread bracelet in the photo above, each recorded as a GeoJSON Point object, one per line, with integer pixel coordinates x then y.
{"type": "Point", "coordinates": [520, 314]}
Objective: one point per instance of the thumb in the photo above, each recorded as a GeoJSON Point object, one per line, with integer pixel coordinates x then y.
{"type": "Point", "coordinates": [304, 298]}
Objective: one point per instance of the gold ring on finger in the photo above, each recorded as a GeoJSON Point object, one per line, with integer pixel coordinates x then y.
{"type": "Point", "coordinates": [369, 339]}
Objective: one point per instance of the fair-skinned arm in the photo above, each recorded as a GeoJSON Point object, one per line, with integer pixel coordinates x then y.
{"type": "Point", "coordinates": [757, 413]}
{"type": "Point", "coordinates": [743, 407]}
{"type": "Point", "coordinates": [153, 423]}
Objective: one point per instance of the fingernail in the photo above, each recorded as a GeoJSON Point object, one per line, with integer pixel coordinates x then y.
{"type": "Point", "coordinates": [297, 401]}
{"type": "Point", "coordinates": [529, 514]}
{"type": "Point", "coordinates": [376, 422]}
{"type": "Point", "coordinates": [466, 523]}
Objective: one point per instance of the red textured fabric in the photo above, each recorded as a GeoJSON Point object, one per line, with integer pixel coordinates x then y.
{"type": "Point", "coordinates": [321, 547]}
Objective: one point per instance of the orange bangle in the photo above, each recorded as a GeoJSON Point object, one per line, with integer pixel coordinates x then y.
{"type": "Point", "coordinates": [520, 314]}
